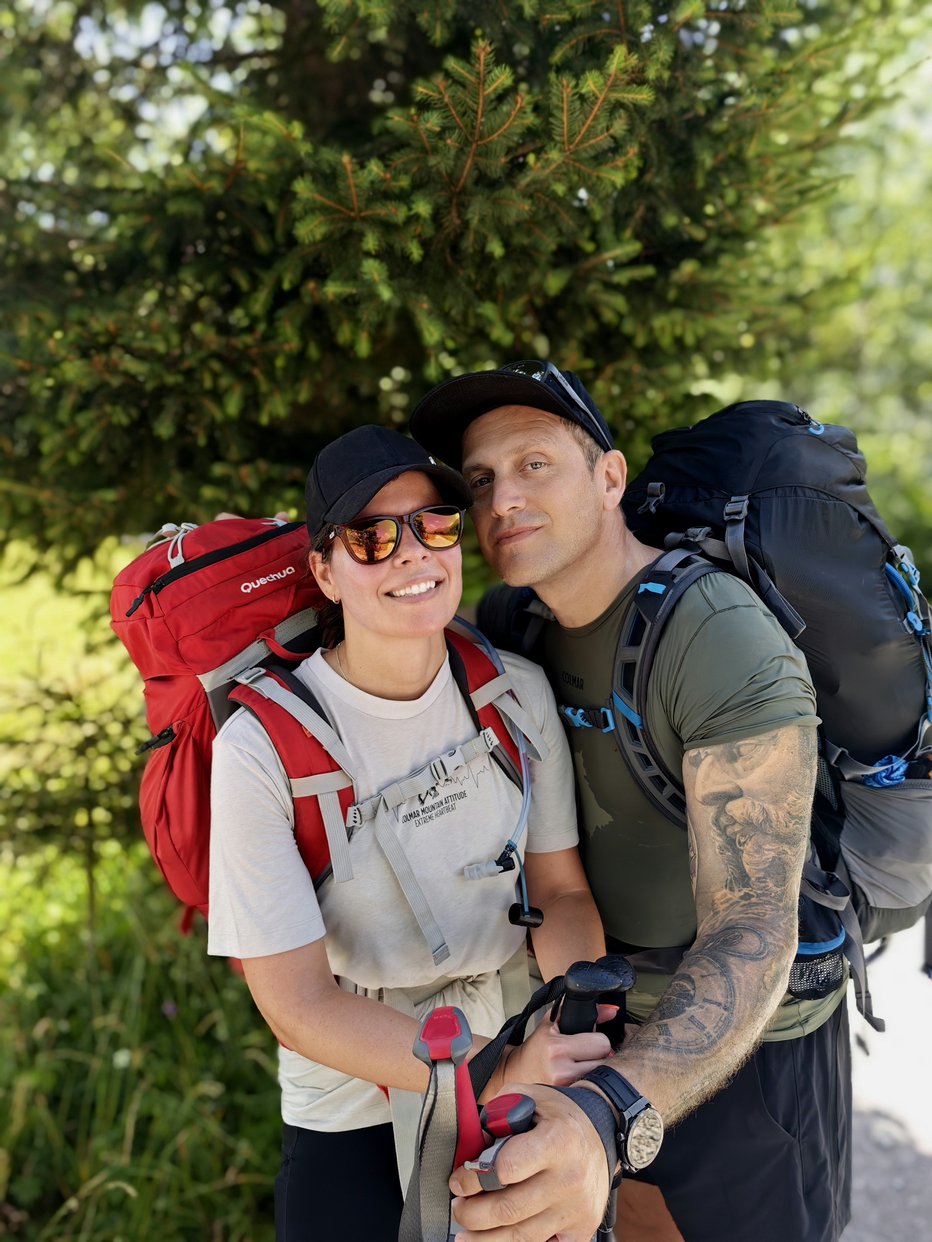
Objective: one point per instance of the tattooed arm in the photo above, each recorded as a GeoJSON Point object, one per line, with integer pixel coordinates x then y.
{"type": "Point", "coordinates": [748, 807]}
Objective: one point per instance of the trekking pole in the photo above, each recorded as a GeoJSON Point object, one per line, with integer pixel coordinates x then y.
{"type": "Point", "coordinates": [588, 983]}
{"type": "Point", "coordinates": [449, 1132]}
{"type": "Point", "coordinates": [501, 1119]}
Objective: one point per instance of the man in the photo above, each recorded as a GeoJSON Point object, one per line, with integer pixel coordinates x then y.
{"type": "Point", "coordinates": [759, 1145]}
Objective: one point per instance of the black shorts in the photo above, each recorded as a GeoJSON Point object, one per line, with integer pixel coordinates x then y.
{"type": "Point", "coordinates": [768, 1159]}
{"type": "Point", "coordinates": [336, 1186]}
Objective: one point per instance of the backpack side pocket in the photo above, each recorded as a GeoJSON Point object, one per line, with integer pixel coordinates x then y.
{"type": "Point", "coordinates": [175, 783]}
{"type": "Point", "coordinates": [886, 846]}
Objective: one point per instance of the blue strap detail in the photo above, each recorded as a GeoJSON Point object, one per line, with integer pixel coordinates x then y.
{"type": "Point", "coordinates": [900, 582]}
{"type": "Point", "coordinates": [816, 429]}
{"type": "Point", "coordinates": [809, 948]}
{"type": "Point", "coordinates": [657, 587]}
{"type": "Point", "coordinates": [909, 572]}
{"type": "Point", "coordinates": [626, 711]}
{"type": "Point", "coordinates": [906, 580]}
{"type": "Point", "coordinates": [892, 772]}
{"type": "Point", "coordinates": [588, 717]}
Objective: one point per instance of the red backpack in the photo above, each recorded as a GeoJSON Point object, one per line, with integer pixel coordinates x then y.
{"type": "Point", "coordinates": [215, 616]}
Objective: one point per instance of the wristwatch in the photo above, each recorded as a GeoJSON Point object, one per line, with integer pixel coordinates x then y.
{"type": "Point", "coordinates": [640, 1126]}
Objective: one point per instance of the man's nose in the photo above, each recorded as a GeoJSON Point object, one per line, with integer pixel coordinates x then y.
{"type": "Point", "coordinates": [507, 495]}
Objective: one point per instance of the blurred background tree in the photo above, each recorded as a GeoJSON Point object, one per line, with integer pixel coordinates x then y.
{"type": "Point", "coordinates": [231, 228]}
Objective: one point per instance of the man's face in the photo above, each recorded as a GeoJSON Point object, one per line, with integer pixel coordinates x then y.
{"type": "Point", "coordinates": [538, 507]}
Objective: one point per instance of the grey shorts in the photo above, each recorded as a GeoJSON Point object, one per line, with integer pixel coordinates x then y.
{"type": "Point", "coordinates": [768, 1159]}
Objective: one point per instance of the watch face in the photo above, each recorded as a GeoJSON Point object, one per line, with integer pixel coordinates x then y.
{"type": "Point", "coordinates": [645, 1135]}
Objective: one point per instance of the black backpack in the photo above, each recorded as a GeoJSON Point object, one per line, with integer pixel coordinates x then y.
{"type": "Point", "coordinates": [762, 490]}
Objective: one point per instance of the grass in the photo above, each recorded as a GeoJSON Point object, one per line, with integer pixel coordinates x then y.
{"type": "Point", "coordinates": [137, 1082]}
{"type": "Point", "coordinates": [138, 1092]}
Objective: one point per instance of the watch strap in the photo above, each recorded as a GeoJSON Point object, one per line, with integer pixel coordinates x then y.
{"type": "Point", "coordinates": [621, 1092]}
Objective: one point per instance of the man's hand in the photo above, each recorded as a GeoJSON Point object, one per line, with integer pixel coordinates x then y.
{"type": "Point", "coordinates": [555, 1178]}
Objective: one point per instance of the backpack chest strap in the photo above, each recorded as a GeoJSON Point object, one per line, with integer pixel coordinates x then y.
{"type": "Point", "coordinates": [600, 718]}
{"type": "Point", "coordinates": [424, 779]}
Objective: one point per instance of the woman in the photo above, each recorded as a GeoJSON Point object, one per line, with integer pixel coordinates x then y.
{"type": "Point", "coordinates": [343, 976]}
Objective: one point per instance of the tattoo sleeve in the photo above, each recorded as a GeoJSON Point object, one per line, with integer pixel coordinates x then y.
{"type": "Point", "coordinates": [748, 806]}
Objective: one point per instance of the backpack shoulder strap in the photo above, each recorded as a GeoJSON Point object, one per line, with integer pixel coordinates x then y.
{"type": "Point", "coordinates": [491, 698]}
{"type": "Point", "coordinates": [657, 593]}
{"type": "Point", "coordinates": [659, 588]}
{"type": "Point", "coordinates": [315, 762]}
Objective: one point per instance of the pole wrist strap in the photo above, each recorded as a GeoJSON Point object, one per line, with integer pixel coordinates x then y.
{"type": "Point", "coordinates": [602, 1116]}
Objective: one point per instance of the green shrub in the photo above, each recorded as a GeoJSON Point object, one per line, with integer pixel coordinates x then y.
{"type": "Point", "coordinates": [137, 1089]}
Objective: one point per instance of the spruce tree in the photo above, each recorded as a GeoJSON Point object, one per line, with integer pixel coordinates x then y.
{"type": "Point", "coordinates": [231, 231]}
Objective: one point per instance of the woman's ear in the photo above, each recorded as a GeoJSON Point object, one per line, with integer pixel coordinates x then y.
{"type": "Point", "coordinates": [321, 569]}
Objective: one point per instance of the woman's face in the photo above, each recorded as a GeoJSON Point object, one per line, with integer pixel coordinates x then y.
{"type": "Point", "coordinates": [411, 594]}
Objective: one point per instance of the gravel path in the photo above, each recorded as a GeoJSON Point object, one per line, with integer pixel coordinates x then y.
{"type": "Point", "coordinates": [893, 1102]}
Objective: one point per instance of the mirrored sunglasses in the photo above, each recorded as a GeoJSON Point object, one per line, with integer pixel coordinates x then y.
{"type": "Point", "coordinates": [374, 539]}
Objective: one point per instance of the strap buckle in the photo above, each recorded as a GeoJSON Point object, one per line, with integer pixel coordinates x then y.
{"type": "Point", "coordinates": [600, 718]}
{"type": "Point", "coordinates": [696, 534]}
{"type": "Point", "coordinates": [736, 509]}
{"type": "Point", "coordinates": [444, 766]}
{"type": "Point", "coordinates": [655, 497]}
{"type": "Point", "coordinates": [249, 675]}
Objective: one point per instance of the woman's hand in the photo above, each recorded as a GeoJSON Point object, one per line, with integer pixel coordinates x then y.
{"type": "Point", "coordinates": [550, 1058]}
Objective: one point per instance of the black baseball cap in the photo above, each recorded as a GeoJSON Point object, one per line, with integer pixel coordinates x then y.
{"type": "Point", "coordinates": [350, 470]}
{"type": "Point", "coordinates": [440, 419]}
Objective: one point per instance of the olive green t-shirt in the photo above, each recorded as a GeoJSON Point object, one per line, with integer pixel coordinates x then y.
{"type": "Point", "coordinates": [724, 670]}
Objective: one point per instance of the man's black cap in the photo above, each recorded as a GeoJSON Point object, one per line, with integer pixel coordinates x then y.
{"type": "Point", "coordinates": [440, 419]}
{"type": "Point", "coordinates": [349, 471]}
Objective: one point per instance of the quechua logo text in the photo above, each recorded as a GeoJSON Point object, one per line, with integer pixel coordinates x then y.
{"type": "Point", "coordinates": [248, 587]}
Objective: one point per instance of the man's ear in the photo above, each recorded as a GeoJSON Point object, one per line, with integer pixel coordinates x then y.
{"type": "Point", "coordinates": [615, 476]}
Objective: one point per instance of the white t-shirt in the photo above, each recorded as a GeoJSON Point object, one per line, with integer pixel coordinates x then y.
{"type": "Point", "coordinates": [262, 900]}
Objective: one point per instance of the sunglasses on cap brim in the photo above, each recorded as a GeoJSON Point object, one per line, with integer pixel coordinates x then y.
{"type": "Point", "coordinates": [549, 375]}
{"type": "Point", "coordinates": [374, 539]}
